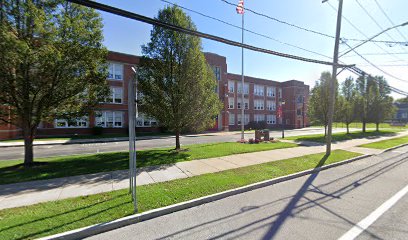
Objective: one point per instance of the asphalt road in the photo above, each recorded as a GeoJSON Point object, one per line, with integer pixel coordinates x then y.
{"type": "Point", "coordinates": [89, 148]}
{"type": "Point", "coordinates": [324, 205]}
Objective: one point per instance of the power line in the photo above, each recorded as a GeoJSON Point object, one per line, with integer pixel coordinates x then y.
{"type": "Point", "coordinates": [378, 54]}
{"type": "Point", "coordinates": [375, 66]}
{"type": "Point", "coordinates": [358, 30]}
{"type": "Point", "coordinates": [246, 30]}
{"type": "Point", "coordinates": [311, 30]}
{"type": "Point", "coordinates": [145, 19]}
{"type": "Point", "coordinates": [389, 19]}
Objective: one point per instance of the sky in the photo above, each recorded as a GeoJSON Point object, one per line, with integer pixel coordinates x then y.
{"type": "Point", "coordinates": [127, 36]}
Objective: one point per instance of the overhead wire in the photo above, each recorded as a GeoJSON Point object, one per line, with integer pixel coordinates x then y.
{"type": "Point", "coordinates": [152, 21]}
{"type": "Point", "coordinates": [246, 30]}
{"type": "Point", "coordinates": [307, 29]}
{"type": "Point", "coordinates": [389, 19]}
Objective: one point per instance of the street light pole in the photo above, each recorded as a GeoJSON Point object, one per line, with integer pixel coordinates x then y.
{"type": "Point", "coordinates": [242, 85]}
{"type": "Point", "coordinates": [132, 113]}
{"type": "Point", "coordinates": [283, 119]}
{"type": "Point", "coordinates": [333, 80]}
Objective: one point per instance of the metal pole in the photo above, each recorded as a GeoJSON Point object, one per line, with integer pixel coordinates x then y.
{"type": "Point", "coordinates": [243, 85]}
{"type": "Point", "coordinates": [333, 80]}
{"type": "Point", "coordinates": [283, 122]}
{"type": "Point", "coordinates": [132, 142]}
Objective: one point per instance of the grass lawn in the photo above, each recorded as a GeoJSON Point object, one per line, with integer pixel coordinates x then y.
{"type": "Point", "coordinates": [343, 136]}
{"type": "Point", "coordinates": [386, 143]}
{"type": "Point", "coordinates": [11, 171]}
{"type": "Point", "coordinates": [368, 125]}
{"type": "Point", "coordinates": [59, 216]}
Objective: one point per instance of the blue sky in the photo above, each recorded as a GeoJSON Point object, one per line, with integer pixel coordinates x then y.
{"type": "Point", "coordinates": [124, 35]}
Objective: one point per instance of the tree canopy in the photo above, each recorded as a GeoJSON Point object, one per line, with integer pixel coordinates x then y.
{"type": "Point", "coordinates": [174, 78]}
{"type": "Point", "coordinates": [52, 63]}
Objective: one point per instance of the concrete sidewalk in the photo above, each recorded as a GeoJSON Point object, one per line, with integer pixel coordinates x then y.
{"type": "Point", "coordinates": [27, 193]}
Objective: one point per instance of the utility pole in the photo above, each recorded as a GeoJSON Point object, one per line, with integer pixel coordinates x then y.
{"type": "Point", "coordinates": [333, 81]}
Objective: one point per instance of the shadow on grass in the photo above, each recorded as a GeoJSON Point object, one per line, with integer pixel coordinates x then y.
{"type": "Point", "coordinates": [338, 137]}
{"type": "Point", "coordinates": [87, 164]}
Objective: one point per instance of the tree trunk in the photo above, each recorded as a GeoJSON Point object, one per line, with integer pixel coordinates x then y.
{"type": "Point", "coordinates": [28, 147]}
{"type": "Point", "coordinates": [364, 126]}
{"type": "Point", "coordinates": [377, 125]}
{"type": "Point", "coordinates": [347, 126]}
{"type": "Point", "coordinates": [325, 130]}
{"type": "Point", "coordinates": [177, 140]}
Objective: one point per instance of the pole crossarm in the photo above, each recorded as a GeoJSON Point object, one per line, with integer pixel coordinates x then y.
{"type": "Point", "coordinates": [152, 21]}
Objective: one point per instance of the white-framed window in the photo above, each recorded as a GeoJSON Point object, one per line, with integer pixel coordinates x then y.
{"type": "Point", "coordinates": [75, 123]}
{"type": "Point", "coordinates": [144, 121]}
{"type": "Point", "coordinates": [280, 93]}
{"type": "Point", "coordinates": [246, 119]}
{"type": "Point", "coordinates": [115, 71]}
{"type": "Point", "coordinates": [259, 104]}
{"type": "Point", "coordinates": [231, 86]}
{"type": "Point", "coordinates": [270, 91]}
{"type": "Point", "coordinates": [231, 103]}
{"type": "Point", "coordinates": [217, 72]}
{"type": "Point", "coordinates": [109, 119]}
{"type": "Point", "coordinates": [232, 119]}
{"type": "Point", "coordinates": [239, 103]}
{"type": "Point", "coordinates": [259, 90]}
{"type": "Point", "coordinates": [246, 88]}
{"type": "Point", "coordinates": [259, 118]}
{"type": "Point", "coordinates": [300, 99]}
{"type": "Point", "coordinates": [271, 119]}
{"type": "Point", "coordinates": [116, 95]}
{"type": "Point", "coordinates": [271, 105]}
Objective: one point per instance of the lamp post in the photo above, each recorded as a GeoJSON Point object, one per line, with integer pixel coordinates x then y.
{"type": "Point", "coordinates": [283, 118]}
{"type": "Point", "coordinates": [132, 114]}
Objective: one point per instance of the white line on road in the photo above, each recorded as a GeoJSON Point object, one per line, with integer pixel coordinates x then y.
{"type": "Point", "coordinates": [370, 219]}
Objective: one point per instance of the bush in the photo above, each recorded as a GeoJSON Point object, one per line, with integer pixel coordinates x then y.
{"type": "Point", "coordinates": [97, 130]}
{"type": "Point", "coordinates": [251, 141]}
{"type": "Point", "coordinates": [257, 140]}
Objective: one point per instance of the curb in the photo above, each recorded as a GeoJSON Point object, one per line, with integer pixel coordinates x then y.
{"type": "Point", "coordinates": [393, 148]}
{"type": "Point", "coordinates": [118, 223]}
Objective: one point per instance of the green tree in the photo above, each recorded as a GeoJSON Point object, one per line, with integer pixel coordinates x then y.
{"type": "Point", "coordinates": [51, 63]}
{"type": "Point", "coordinates": [319, 100]}
{"type": "Point", "coordinates": [176, 82]}
{"type": "Point", "coordinates": [364, 101]}
{"type": "Point", "coordinates": [381, 107]}
{"type": "Point", "coordinates": [346, 102]}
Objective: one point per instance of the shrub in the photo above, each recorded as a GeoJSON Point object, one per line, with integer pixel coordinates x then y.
{"type": "Point", "coordinates": [97, 130]}
{"type": "Point", "coordinates": [257, 140]}
{"type": "Point", "coordinates": [251, 141]}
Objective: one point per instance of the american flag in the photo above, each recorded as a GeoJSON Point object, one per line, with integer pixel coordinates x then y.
{"type": "Point", "coordinates": [240, 7]}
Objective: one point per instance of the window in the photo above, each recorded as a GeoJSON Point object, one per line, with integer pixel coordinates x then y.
{"type": "Point", "coordinates": [109, 119]}
{"type": "Point", "coordinates": [246, 88]}
{"type": "Point", "coordinates": [231, 86]}
{"type": "Point", "coordinates": [259, 118]}
{"type": "Point", "coordinates": [280, 93]}
{"type": "Point", "coordinates": [246, 102]}
{"type": "Point", "coordinates": [271, 105]}
{"type": "Point", "coordinates": [217, 73]}
{"type": "Point", "coordinates": [246, 119]}
{"type": "Point", "coordinates": [271, 119]}
{"type": "Point", "coordinates": [259, 90]}
{"type": "Point", "coordinates": [115, 71]}
{"type": "Point", "coordinates": [300, 99]}
{"type": "Point", "coordinates": [116, 95]}
{"type": "Point", "coordinates": [75, 123]}
{"type": "Point", "coordinates": [230, 103]}
{"type": "Point", "coordinates": [232, 119]}
{"type": "Point", "coordinates": [144, 121]}
{"type": "Point", "coordinates": [259, 105]}
{"type": "Point", "coordinates": [299, 112]}
{"type": "Point", "coordinates": [270, 91]}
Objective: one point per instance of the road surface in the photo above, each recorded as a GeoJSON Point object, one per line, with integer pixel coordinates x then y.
{"type": "Point", "coordinates": [328, 205]}
{"type": "Point", "coordinates": [89, 148]}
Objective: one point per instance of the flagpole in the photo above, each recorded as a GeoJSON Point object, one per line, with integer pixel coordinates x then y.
{"type": "Point", "coordinates": [242, 82]}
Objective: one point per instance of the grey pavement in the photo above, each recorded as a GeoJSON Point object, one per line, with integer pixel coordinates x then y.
{"type": "Point", "coordinates": [26, 193]}
{"type": "Point", "coordinates": [324, 205]}
{"type": "Point", "coordinates": [45, 150]}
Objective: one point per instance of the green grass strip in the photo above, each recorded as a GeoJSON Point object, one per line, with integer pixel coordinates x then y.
{"type": "Point", "coordinates": [54, 217]}
{"type": "Point", "coordinates": [386, 143]}
{"type": "Point", "coordinates": [343, 136]}
{"type": "Point", "coordinates": [12, 171]}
